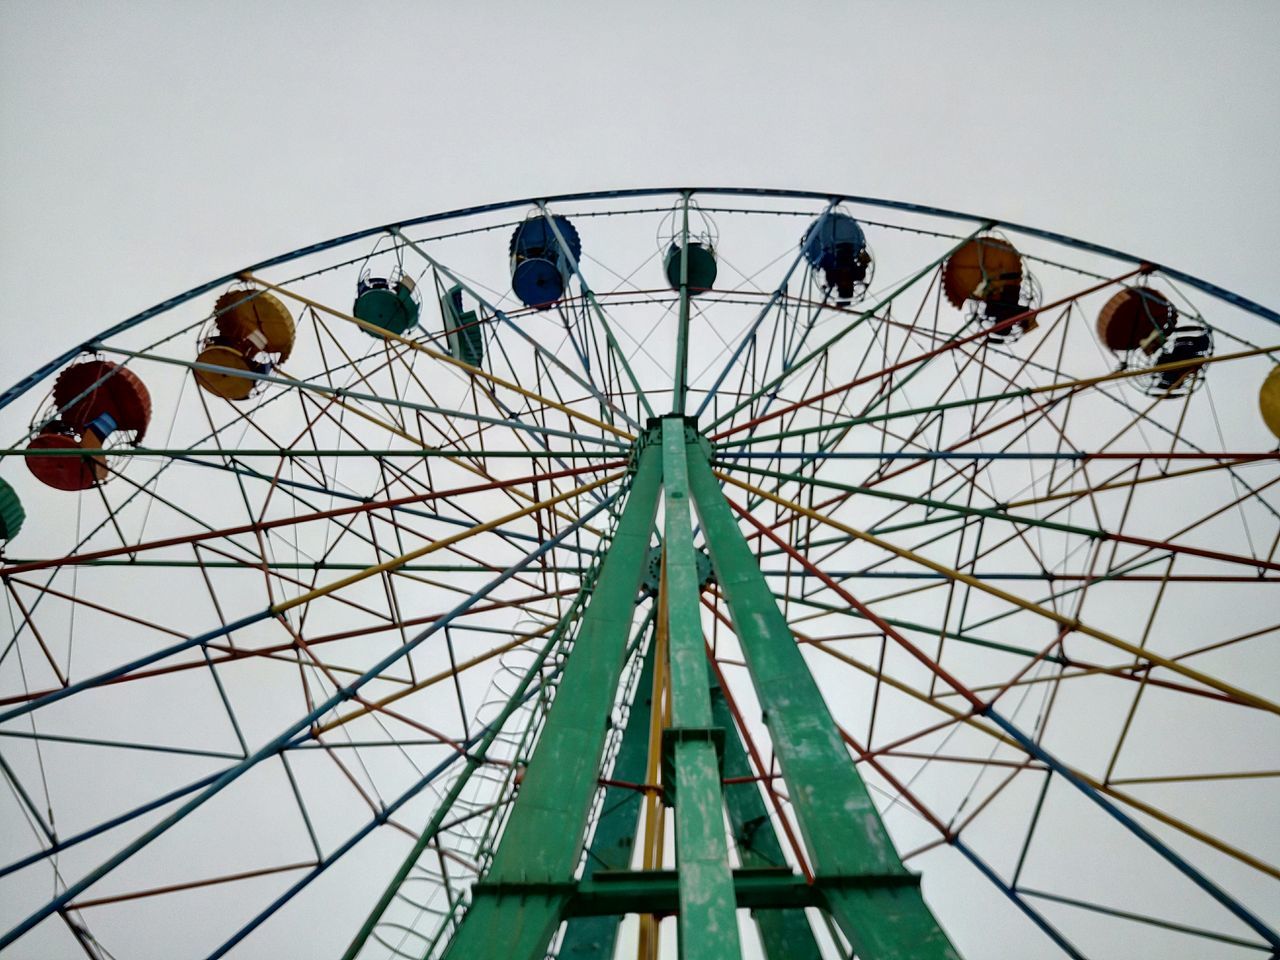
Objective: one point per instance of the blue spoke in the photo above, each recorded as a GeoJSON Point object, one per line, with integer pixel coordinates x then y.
{"type": "Point", "coordinates": [271, 748]}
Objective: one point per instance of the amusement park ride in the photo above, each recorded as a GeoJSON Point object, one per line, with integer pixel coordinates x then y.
{"type": "Point", "coordinates": [544, 592]}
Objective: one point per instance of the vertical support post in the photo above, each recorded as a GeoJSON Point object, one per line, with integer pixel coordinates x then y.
{"type": "Point", "coordinates": [784, 934]}
{"type": "Point", "coordinates": [654, 810]}
{"type": "Point", "coordinates": [517, 907]}
{"type": "Point", "coordinates": [613, 844]}
{"type": "Point", "coordinates": [873, 898]}
{"type": "Point", "coordinates": [682, 331]}
{"type": "Point", "coordinates": [708, 920]}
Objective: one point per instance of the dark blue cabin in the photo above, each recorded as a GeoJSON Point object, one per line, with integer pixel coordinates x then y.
{"type": "Point", "coordinates": [837, 247]}
{"type": "Point", "coordinates": [540, 268]}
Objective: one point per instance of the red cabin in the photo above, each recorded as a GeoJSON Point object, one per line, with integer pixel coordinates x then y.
{"type": "Point", "coordinates": [93, 400]}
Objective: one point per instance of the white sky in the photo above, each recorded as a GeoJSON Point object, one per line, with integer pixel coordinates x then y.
{"type": "Point", "coordinates": [147, 147]}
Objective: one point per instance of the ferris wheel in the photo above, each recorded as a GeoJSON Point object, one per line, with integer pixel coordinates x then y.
{"type": "Point", "coordinates": [763, 572]}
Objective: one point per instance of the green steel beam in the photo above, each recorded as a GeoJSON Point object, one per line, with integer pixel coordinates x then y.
{"type": "Point", "coordinates": [784, 934]}
{"type": "Point", "coordinates": [257, 566]}
{"type": "Point", "coordinates": [614, 841]}
{"type": "Point", "coordinates": [682, 330]}
{"type": "Point", "coordinates": [868, 891]}
{"type": "Point", "coordinates": [657, 891]}
{"type": "Point", "coordinates": [616, 892]}
{"type": "Point", "coordinates": [518, 907]}
{"type": "Point", "coordinates": [1143, 918]}
{"type": "Point", "coordinates": [830, 425]}
{"type": "Point", "coordinates": [376, 400]}
{"type": "Point", "coordinates": [475, 760]}
{"type": "Point", "coordinates": [708, 922]}
{"type": "Point", "coordinates": [924, 628]}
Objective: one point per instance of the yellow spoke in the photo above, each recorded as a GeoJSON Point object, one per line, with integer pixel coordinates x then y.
{"type": "Point", "coordinates": [1070, 623]}
{"type": "Point", "coordinates": [418, 441]}
{"type": "Point", "coordinates": [443, 357]}
{"type": "Point", "coordinates": [1157, 368]}
{"type": "Point", "coordinates": [1196, 777]}
{"type": "Point", "coordinates": [1119, 484]}
{"type": "Point", "coordinates": [435, 545]}
{"type": "Point", "coordinates": [1180, 825]}
{"type": "Point", "coordinates": [431, 680]}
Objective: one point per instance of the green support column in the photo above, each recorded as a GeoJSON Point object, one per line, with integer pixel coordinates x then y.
{"type": "Point", "coordinates": [708, 920]}
{"type": "Point", "coordinates": [682, 330]}
{"type": "Point", "coordinates": [784, 934]}
{"type": "Point", "coordinates": [872, 896]}
{"type": "Point", "coordinates": [614, 841]}
{"type": "Point", "coordinates": [518, 906]}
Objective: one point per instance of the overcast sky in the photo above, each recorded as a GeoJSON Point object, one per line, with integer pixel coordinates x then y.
{"type": "Point", "coordinates": [147, 147]}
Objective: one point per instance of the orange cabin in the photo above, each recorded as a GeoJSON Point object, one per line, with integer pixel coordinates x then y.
{"type": "Point", "coordinates": [987, 269]}
{"type": "Point", "coordinates": [254, 321]}
{"type": "Point", "coordinates": [1136, 318]}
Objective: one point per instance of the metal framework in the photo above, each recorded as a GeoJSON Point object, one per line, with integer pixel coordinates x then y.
{"type": "Point", "coordinates": [880, 623]}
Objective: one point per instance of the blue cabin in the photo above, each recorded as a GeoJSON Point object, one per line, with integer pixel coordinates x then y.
{"type": "Point", "coordinates": [837, 247]}
{"type": "Point", "coordinates": [540, 269]}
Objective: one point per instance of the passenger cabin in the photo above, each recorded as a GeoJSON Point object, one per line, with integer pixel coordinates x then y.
{"type": "Point", "coordinates": [390, 303]}
{"type": "Point", "coordinates": [252, 332]}
{"type": "Point", "coordinates": [11, 513]}
{"type": "Point", "coordinates": [1144, 330]}
{"type": "Point", "coordinates": [540, 265]}
{"type": "Point", "coordinates": [1269, 401]}
{"type": "Point", "coordinates": [464, 335]}
{"type": "Point", "coordinates": [1136, 318]}
{"type": "Point", "coordinates": [701, 266]}
{"type": "Point", "coordinates": [988, 275]}
{"type": "Point", "coordinates": [836, 248]}
{"type": "Point", "coordinates": [1186, 343]}
{"type": "Point", "coordinates": [93, 400]}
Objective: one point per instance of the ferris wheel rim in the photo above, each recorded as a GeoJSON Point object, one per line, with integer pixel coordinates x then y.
{"type": "Point", "coordinates": [599, 195]}
{"type": "Point", "coordinates": [19, 388]}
